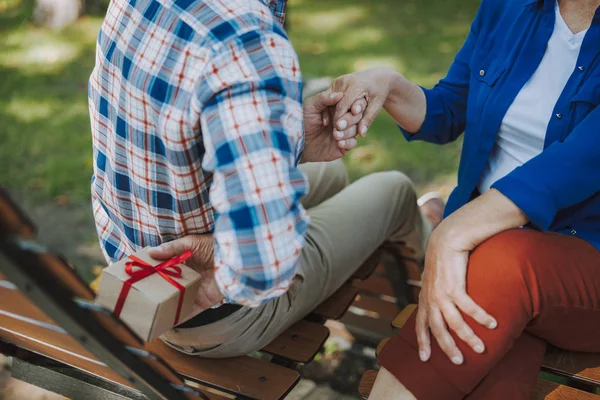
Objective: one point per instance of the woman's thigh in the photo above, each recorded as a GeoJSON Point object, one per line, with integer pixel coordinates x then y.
{"type": "Point", "coordinates": [545, 283]}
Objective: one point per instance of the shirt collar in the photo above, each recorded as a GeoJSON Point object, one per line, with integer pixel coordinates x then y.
{"type": "Point", "coordinates": [546, 5]}
{"type": "Point", "coordinates": [277, 7]}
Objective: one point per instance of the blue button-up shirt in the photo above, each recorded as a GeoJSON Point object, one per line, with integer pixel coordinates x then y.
{"type": "Point", "coordinates": [559, 190]}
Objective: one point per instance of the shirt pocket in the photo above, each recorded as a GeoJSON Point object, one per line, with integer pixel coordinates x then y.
{"type": "Point", "coordinates": [585, 100]}
{"type": "Point", "coordinates": [488, 68]}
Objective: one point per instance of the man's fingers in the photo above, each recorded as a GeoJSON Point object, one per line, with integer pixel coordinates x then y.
{"type": "Point", "coordinates": [422, 329]}
{"type": "Point", "coordinates": [473, 310]}
{"type": "Point", "coordinates": [326, 99]}
{"type": "Point", "coordinates": [457, 323]}
{"type": "Point", "coordinates": [443, 337]}
{"type": "Point", "coordinates": [171, 249]}
{"type": "Point", "coordinates": [370, 114]}
{"type": "Point", "coordinates": [347, 144]}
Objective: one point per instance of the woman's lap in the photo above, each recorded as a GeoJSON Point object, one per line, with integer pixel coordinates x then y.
{"type": "Point", "coordinates": [543, 283]}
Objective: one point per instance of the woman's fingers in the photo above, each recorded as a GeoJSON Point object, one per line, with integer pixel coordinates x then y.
{"type": "Point", "coordinates": [443, 337]}
{"type": "Point", "coordinates": [359, 106]}
{"type": "Point", "coordinates": [457, 323]}
{"type": "Point", "coordinates": [371, 112]}
{"type": "Point", "coordinates": [473, 310]}
{"type": "Point", "coordinates": [422, 329]}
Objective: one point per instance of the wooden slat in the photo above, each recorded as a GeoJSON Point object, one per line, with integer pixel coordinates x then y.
{"type": "Point", "coordinates": [384, 309]}
{"type": "Point", "coordinates": [545, 390]}
{"type": "Point", "coordinates": [336, 305]}
{"type": "Point", "coordinates": [380, 346]}
{"type": "Point", "coordinates": [366, 383]}
{"type": "Point", "coordinates": [244, 375]}
{"type": "Point", "coordinates": [581, 365]}
{"type": "Point", "coordinates": [377, 286]}
{"type": "Point", "coordinates": [300, 343]}
{"type": "Point", "coordinates": [12, 220]}
{"type": "Point", "coordinates": [366, 328]}
{"type": "Point", "coordinates": [368, 267]}
{"type": "Point", "coordinates": [401, 319]}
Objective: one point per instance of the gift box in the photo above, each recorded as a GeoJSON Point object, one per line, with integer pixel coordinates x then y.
{"type": "Point", "coordinates": [150, 296]}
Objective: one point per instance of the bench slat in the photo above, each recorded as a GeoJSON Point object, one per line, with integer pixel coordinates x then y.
{"type": "Point", "coordinates": [581, 365]}
{"type": "Point", "coordinates": [366, 383]}
{"type": "Point", "coordinates": [366, 270]}
{"type": "Point", "coordinates": [385, 309]}
{"type": "Point", "coordinates": [376, 285]}
{"type": "Point", "coordinates": [337, 305]}
{"type": "Point", "coordinates": [401, 319]}
{"type": "Point", "coordinates": [300, 343]}
{"type": "Point", "coordinates": [248, 376]}
{"type": "Point", "coordinates": [545, 390]}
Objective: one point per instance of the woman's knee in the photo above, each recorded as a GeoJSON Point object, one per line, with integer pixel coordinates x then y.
{"type": "Point", "coordinates": [500, 269]}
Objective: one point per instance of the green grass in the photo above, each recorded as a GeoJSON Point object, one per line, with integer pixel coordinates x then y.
{"type": "Point", "coordinates": [417, 37]}
{"type": "Point", "coordinates": [44, 125]}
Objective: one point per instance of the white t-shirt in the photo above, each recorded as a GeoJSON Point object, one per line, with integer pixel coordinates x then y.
{"type": "Point", "coordinates": [523, 129]}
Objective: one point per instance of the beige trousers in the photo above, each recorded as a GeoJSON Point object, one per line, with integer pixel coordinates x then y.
{"type": "Point", "coordinates": [348, 223]}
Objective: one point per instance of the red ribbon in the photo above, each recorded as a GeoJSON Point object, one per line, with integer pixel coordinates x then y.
{"type": "Point", "coordinates": [168, 270]}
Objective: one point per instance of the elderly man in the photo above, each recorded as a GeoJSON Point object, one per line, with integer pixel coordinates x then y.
{"type": "Point", "coordinates": [198, 131]}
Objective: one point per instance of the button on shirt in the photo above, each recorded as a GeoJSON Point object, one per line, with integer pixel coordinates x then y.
{"type": "Point", "coordinates": [523, 130]}
{"type": "Point", "coordinates": [197, 128]}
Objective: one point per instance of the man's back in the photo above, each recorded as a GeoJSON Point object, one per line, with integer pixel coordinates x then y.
{"type": "Point", "coordinates": [185, 89]}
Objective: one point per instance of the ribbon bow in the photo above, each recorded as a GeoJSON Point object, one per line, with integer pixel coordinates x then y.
{"type": "Point", "coordinates": [139, 269]}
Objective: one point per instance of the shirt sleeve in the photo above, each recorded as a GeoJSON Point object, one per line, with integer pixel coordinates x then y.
{"type": "Point", "coordinates": [563, 175]}
{"type": "Point", "coordinates": [251, 123]}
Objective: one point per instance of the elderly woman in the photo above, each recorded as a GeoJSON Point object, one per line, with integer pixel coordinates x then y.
{"type": "Point", "coordinates": [515, 265]}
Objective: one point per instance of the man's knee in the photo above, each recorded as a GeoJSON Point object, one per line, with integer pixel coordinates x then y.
{"type": "Point", "coordinates": [338, 175]}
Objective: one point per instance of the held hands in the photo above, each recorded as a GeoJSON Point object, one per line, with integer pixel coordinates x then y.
{"type": "Point", "coordinates": [322, 141]}
{"type": "Point", "coordinates": [373, 85]}
{"type": "Point", "coordinates": [202, 261]}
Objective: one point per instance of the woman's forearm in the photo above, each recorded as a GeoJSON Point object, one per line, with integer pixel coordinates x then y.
{"type": "Point", "coordinates": [482, 218]}
{"type": "Point", "coordinates": [406, 103]}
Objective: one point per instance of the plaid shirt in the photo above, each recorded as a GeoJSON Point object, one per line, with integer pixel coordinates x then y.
{"type": "Point", "coordinates": [197, 128]}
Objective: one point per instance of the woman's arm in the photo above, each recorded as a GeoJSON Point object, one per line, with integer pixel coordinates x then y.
{"type": "Point", "coordinates": [565, 174]}
{"type": "Point", "coordinates": [444, 283]}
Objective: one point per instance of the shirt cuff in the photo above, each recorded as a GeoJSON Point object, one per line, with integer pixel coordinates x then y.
{"type": "Point", "coordinates": [535, 202]}
{"type": "Point", "coordinates": [430, 126]}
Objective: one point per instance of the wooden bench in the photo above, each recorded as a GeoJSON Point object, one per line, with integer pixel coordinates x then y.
{"type": "Point", "coordinates": [61, 341]}
{"type": "Point", "coordinates": [578, 372]}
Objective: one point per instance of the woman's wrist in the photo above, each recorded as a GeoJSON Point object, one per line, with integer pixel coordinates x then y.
{"type": "Point", "coordinates": [406, 103]}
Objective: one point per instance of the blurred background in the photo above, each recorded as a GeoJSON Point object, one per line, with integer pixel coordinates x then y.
{"type": "Point", "coordinates": [47, 53]}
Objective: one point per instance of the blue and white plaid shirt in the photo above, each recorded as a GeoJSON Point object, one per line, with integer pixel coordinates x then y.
{"type": "Point", "coordinates": [197, 128]}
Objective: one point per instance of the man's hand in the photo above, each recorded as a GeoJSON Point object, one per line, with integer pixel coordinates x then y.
{"type": "Point", "coordinates": [202, 260]}
{"type": "Point", "coordinates": [322, 141]}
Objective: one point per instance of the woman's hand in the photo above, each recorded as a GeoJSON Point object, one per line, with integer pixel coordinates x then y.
{"type": "Point", "coordinates": [321, 141]}
{"type": "Point", "coordinates": [381, 87]}
{"type": "Point", "coordinates": [443, 292]}
{"type": "Point", "coordinates": [373, 85]}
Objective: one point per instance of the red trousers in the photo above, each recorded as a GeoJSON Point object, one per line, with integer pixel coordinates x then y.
{"type": "Point", "coordinates": [541, 288]}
